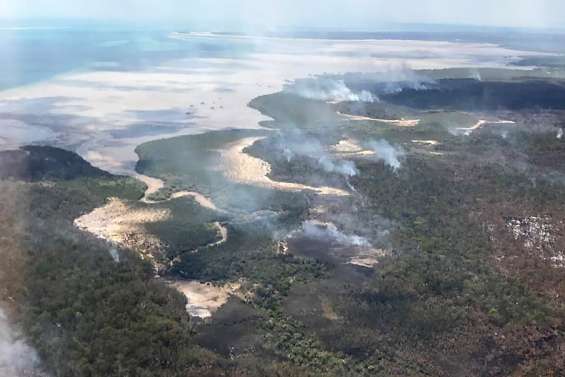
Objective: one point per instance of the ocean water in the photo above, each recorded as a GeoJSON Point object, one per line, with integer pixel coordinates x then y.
{"type": "Point", "coordinates": [32, 54]}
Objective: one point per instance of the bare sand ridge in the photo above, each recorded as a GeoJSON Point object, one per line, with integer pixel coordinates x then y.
{"type": "Point", "coordinates": [395, 122]}
{"type": "Point", "coordinates": [241, 167]}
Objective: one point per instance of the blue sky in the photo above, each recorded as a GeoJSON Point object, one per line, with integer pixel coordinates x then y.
{"type": "Point", "coordinates": [272, 15]}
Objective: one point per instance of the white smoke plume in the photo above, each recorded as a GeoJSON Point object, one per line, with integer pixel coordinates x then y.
{"type": "Point", "coordinates": [327, 89]}
{"type": "Point", "coordinates": [560, 134]}
{"type": "Point", "coordinates": [388, 153]}
{"type": "Point", "coordinates": [300, 145]}
{"type": "Point", "coordinates": [114, 254]}
{"type": "Point", "coordinates": [344, 167]}
{"type": "Point", "coordinates": [17, 358]}
{"type": "Point", "coordinates": [328, 231]}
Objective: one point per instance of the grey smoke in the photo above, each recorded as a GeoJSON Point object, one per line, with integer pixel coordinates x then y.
{"type": "Point", "coordinates": [17, 358]}
{"type": "Point", "coordinates": [560, 134]}
{"type": "Point", "coordinates": [388, 153]}
{"type": "Point", "coordinates": [329, 232]}
{"type": "Point", "coordinates": [327, 89]}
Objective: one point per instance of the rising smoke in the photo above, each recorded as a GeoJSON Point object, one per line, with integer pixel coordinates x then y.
{"type": "Point", "coordinates": [388, 153]}
{"type": "Point", "coordinates": [298, 144]}
{"type": "Point", "coordinates": [328, 231]}
{"type": "Point", "coordinates": [387, 81]}
{"type": "Point", "coordinates": [363, 88]}
{"type": "Point", "coordinates": [327, 89]}
{"type": "Point", "coordinates": [342, 167]}
{"type": "Point", "coordinates": [17, 359]}
{"type": "Point", "coordinates": [114, 253]}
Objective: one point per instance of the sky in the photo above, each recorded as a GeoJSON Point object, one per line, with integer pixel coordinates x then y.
{"type": "Point", "coordinates": [280, 14]}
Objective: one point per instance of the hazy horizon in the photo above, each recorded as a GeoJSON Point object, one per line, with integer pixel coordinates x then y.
{"type": "Point", "coordinates": [254, 15]}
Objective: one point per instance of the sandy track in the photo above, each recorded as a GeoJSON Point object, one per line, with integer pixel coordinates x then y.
{"type": "Point", "coordinates": [469, 130]}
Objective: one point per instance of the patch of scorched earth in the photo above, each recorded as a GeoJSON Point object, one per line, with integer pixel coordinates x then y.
{"type": "Point", "coordinates": [539, 234]}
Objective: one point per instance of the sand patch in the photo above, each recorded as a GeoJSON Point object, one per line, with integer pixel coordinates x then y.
{"type": "Point", "coordinates": [369, 258]}
{"type": "Point", "coordinates": [204, 299]}
{"type": "Point", "coordinates": [122, 224]}
{"type": "Point", "coordinates": [351, 148]}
